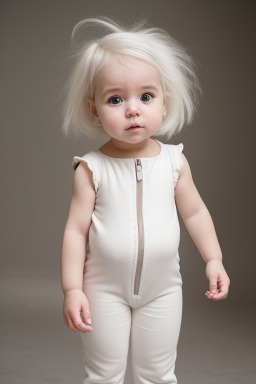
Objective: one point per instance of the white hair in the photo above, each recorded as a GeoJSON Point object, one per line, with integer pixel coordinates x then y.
{"type": "Point", "coordinates": [155, 46]}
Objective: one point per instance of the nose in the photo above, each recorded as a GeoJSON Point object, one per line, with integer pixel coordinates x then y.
{"type": "Point", "coordinates": [132, 109]}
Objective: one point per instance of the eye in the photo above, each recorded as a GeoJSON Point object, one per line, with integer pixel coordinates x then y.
{"type": "Point", "coordinates": [146, 97]}
{"type": "Point", "coordinates": [114, 100]}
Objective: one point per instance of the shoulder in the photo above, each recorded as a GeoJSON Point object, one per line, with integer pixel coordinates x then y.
{"type": "Point", "coordinates": [185, 168]}
{"type": "Point", "coordinates": [83, 179]}
{"type": "Point", "coordinates": [185, 183]}
{"type": "Point", "coordinates": [89, 169]}
{"type": "Point", "coordinates": [175, 153]}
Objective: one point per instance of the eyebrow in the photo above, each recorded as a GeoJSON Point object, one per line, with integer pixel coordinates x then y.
{"type": "Point", "coordinates": [113, 90]}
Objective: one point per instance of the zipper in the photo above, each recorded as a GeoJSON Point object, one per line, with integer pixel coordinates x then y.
{"type": "Point", "coordinates": [137, 279]}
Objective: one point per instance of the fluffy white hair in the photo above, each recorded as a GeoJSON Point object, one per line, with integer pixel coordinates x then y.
{"type": "Point", "coordinates": [155, 46]}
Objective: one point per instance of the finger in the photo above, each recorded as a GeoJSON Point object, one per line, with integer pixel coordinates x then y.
{"type": "Point", "coordinates": [213, 286]}
{"type": "Point", "coordinates": [210, 294]}
{"type": "Point", "coordinates": [86, 314]}
{"type": "Point", "coordinates": [70, 324]}
{"type": "Point", "coordinates": [221, 294]}
{"type": "Point", "coordinates": [221, 284]}
{"type": "Point", "coordinates": [79, 325]}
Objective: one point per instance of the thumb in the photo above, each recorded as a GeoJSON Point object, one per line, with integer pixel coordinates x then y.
{"type": "Point", "coordinates": [213, 286]}
{"type": "Point", "coordinates": [87, 314]}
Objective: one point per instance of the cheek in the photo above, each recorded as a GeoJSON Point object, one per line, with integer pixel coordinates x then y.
{"type": "Point", "coordinates": [155, 118]}
{"type": "Point", "coordinates": [157, 112]}
{"type": "Point", "coordinates": [110, 114]}
{"type": "Point", "coordinates": [110, 118]}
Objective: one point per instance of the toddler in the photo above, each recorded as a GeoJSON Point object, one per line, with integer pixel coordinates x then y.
{"type": "Point", "coordinates": [120, 266]}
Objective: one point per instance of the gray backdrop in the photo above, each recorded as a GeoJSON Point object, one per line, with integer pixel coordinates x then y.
{"type": "Point", "coordinates": [216, 341]}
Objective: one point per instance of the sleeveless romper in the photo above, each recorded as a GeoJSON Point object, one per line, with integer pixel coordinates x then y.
{"type": "Point", "coordinates": [131, 275]}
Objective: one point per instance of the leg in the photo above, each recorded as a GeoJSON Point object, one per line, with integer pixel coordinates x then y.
{"type": "Point", "coordinates": [105, 349]}
{"type": "Point", "coordinates": [154, 338]}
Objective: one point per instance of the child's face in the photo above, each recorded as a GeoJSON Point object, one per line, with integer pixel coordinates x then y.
{"type": "Point", "coordinates": [126, 94]}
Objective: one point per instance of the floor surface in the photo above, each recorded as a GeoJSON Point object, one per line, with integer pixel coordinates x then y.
{"type": "Point", "coordinates": [216, 345]}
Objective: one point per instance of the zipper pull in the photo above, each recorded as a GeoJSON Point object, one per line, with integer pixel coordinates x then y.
{"type": "Point", "coordinates": [138, 166]}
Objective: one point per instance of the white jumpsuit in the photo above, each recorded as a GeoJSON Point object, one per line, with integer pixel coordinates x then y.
{"type": "Point", "coordinates": [132, 272]}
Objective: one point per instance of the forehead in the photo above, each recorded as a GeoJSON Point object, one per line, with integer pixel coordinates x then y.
{"type": "Point", "coordinates": [126, 70]}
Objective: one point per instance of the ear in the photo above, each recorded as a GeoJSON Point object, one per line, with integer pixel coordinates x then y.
{"type": "Point", "coordinates": [164, 108]}
{"type": "Point", "coordinates": [93, 110]}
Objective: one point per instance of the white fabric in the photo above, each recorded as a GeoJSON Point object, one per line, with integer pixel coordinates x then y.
{"type": "Point", "coordinates": [152, 319]}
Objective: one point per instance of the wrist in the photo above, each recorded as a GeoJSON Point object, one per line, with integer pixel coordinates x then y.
{"type": "Point", "coordinates": [72, 290]}
{"type": "Point", "coordinates": [214, 260]}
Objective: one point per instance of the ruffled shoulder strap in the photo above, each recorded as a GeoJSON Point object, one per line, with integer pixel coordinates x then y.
{"type": "Point", "coordinates": [94, 165]}
{"type": "Point", "coordinates": [175, 151]}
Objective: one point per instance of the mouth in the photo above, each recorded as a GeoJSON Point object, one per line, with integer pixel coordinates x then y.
{"type": "Point", "coordinates": [134, 125]}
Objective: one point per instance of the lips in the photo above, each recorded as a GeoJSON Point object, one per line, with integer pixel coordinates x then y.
{"type": "Point", "coordinates": [134, 125]}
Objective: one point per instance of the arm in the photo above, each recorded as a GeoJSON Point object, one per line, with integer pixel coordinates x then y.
{"type": "Point", "coordinates": [73, 250]}
{"type": "Point", "coordinates": [199, 224]}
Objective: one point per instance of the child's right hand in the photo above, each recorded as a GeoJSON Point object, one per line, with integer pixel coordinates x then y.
{"type": "Point", "coordinates": [76, 302]}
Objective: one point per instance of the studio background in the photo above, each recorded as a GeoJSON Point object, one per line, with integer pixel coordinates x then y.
{"type": "Point", "coordinates": [216, 343]}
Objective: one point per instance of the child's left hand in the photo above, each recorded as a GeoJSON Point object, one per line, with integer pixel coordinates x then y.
{"type": "Point", "coordinates": [219, 280]}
